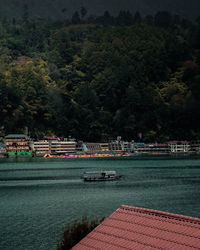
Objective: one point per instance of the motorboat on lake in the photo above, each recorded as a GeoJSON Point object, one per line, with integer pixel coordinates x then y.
{"type": "Point", "coordinates": [101, 176]}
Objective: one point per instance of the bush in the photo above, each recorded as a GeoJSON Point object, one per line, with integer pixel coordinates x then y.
{"type": "Point", "coordinates": [77, 231]}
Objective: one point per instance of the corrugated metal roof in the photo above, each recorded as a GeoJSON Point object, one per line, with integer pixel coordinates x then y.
{"type": "Point", "coordinates": [141, 228]}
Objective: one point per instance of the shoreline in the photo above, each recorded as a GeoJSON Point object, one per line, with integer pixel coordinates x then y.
{"type": "Point", "coordinates": [101, 155]}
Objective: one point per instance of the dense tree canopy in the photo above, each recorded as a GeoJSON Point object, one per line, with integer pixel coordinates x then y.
{"type": "Point", "coordinates": [94, 81]}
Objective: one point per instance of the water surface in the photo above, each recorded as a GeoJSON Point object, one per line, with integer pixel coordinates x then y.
{"type": "Point", "coordinates": [38, 197]}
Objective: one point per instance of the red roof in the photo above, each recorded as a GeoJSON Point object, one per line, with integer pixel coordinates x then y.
{"type": "Point", "coordinates": [140, 228]}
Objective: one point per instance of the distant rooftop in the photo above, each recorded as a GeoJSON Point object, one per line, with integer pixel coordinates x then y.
{"type": "Point", "coordinates": [16, 136]}
{"type": "Point", "coordinates": [140, 228]}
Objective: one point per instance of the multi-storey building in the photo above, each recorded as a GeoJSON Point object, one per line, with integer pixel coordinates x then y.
{"type": "Point", "coordinates": [96, 147]}
{"type": "Point", "coordinates": [127, 146]}
{"type": "Point", "coordinates": [41, 147]}
{"type": "Point", "coordinates": [151, 148]}
{"type": "Point", "coordinates": [115, 146]}
{"type": "Point", "coordinates": [17, 144]}
{"type": "Point", "coordinates": [195, 147]}
{"type": "Point", "coordinates": [62, 147]}
{"type": "Point", "coordinates": [93, 147]}
{"type": "Point", "coordinates": [179, 146]}
{"type": "Point", "coordinates": [104, 146]}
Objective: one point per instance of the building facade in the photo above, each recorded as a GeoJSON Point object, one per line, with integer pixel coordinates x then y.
{"type": "Point", "coordinates": [17, 144]}
{"type": "Point", "coordinates": [62, 147]}
{"type": "Point", "coordinates": [41, 147]}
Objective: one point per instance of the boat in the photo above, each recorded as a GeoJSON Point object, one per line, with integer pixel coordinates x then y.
{"type": "Point", "coordinates": [101, 176]}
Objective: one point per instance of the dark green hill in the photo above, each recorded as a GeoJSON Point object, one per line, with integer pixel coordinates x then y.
{"type": "Point", "coordinates": [60, 9]}
{"type": "Point", "coordinates": [95, 82]}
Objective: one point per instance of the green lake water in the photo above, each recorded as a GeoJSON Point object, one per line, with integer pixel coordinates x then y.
{"type": "Point", "coordinates": [38, 197]}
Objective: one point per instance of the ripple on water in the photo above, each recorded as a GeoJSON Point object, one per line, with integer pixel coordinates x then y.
{"type": "Point", "coordinates": [39, 197]}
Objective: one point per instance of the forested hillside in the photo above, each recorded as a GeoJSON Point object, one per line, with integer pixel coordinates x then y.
{"type": "Point", "coordinates": [99, 79]}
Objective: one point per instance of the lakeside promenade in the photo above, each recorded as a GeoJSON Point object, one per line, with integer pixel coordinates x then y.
{"type": "Point", "coordinates": [19, 145]}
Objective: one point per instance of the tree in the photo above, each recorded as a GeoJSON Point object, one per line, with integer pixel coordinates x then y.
{"type": "Point", "coordinates": [163, 19]}
{"type": "Point", "coordinates": [83, 12]}
{"type": "Point", "coordinates": [137, 18]}
{"type": "Point", "coordinates": [185, 23]}
{"type": "Point", "coordinates": [60, 48]}
{"type": "Point", "coordinates": [76, 231]}
{"type": "Point", "coordinates": [107, 19]}
{"type": "Point", "coordinates": [25, 15]}
{"type": "Point", "coordinates": [28, 84]}
{"type": "Point", "coordinates": [176, 21]}
{"type": "Point", "coordinates": [198, 20]}
{"type": "Point", "coordinates": [149, 20]}
{"type": "Point", "coordinates": [76, 18]}
{"type": "Point", "coordinates": [124, 18]}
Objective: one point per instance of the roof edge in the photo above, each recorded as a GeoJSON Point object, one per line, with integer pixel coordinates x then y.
{"type": "Point", "coordinates": [162, 214]}
{"type": "Point", "coordinates": [15, 135]}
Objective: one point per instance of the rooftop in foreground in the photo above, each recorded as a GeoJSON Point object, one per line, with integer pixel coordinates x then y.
{"type": "Point", "coordinates": [140, 228]}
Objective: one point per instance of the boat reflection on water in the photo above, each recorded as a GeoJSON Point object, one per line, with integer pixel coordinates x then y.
{"type": "Point", "coordinates": [101, 176]}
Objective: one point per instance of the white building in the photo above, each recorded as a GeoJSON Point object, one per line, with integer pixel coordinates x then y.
{"type": "Point", "coordinates": [41, 147]}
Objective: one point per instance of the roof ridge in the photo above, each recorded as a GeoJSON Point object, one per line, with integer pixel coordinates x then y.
{"type": "Point", "coordinates": [161, 214]}
{"type": "Point", "coordinates": [160, 218]}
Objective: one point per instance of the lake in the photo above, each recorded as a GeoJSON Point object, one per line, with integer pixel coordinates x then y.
{"type": "Point", "coordinates": [39, 197]}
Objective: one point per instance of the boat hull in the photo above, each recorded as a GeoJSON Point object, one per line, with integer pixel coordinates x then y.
{"type": "Point", "coordinates": [90, 179]}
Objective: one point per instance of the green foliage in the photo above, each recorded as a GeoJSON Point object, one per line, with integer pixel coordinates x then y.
{"type": "Point", "coordinates": [76, 231]}
{"type": "Point", "coordinates": [96, 81]}
{"type": "Point", "coordinates": [76, 18]}
{"type": "Point", "coordinates": [83, 12]}
{"type": "Point", "coordinates": [27, 100]}
{"type": "Point", "coordinates": [163, 19]}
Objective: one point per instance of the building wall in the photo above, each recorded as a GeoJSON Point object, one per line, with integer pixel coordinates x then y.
{"type": "Point", "coordinates": [17, 145]}
{"type": "Point", "coordinates": [62, 147]}
{"type": "Point", "coordinates": [41, 147]}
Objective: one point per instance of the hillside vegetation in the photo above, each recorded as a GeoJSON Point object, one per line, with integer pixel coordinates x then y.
{"type": "Point", "coordinates": [95, 81]}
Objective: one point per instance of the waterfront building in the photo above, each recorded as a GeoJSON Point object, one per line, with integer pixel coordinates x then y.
{"type": "Point", "coordinates": [79, 147]}
{"type": "Point", "coordinates": [115, 146]}
{"type": "Point", "coordinates": [41, 147]}
{"type": "Point", "coordinates": [195, 147]}
{"type": "Point", "coordinates": [140, 228]}
{"type": "Point", "coordinates": [179, 146]}
{"type": "Point", "coordinates": [127, 146]}
{"type": "Point", "coordinates": [152, 148]}
{"type": "Point", "coordinates": [62, 147]}
{"type": "Point", "coordinates": [93, 147]}
{"type": "Point", "coordinates": [140, 147]}
{"type": "Point", "coordinates": [104, 146]}
{"type": "Point", "coordinates": [2, 150]}
{"type": "Point", "coordinates": [17, 145]}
